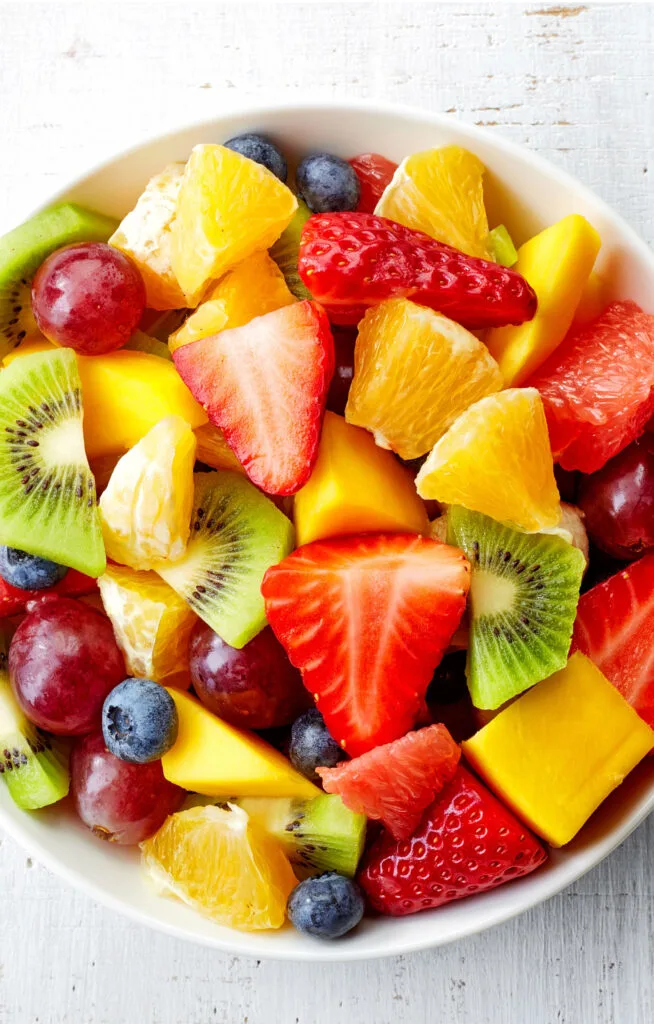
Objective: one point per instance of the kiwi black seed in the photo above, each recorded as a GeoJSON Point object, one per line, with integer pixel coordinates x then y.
{"type": "Point", "coordinates": [523, 600]}
{"type": "Point", "coordinates": [48, 504]}
{"type": "Point", "coordinates": [237, 533]}
{"type": "Point", "coordinates": [21, 253]}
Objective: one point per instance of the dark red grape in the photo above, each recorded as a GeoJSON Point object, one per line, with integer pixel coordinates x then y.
{"type": "Point", "coordinates": [256, 687]}
{"type": "Point", "coordinates": [121, 802]}
{"type": "Point", "coordinates": [63, 661]}
{"type": "Point", "coordinates": [89, 297]}
{"type": "Point", "coordinates": [344, 340]}
{"type": "Point", "coordinates": [618, 502]}
{"type": "Point", "coordinates": [567, 481]}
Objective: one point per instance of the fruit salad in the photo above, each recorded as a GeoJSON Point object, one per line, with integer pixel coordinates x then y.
{"type": "Point", "coordinates": [326, 532]}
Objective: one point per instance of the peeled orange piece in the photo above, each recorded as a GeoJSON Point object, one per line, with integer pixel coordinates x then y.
{"type": "Point", "coordinates": [415, 371]}
{"type": "Point", "coordinates": [152, 624]}
{"type": "Point", "coordinates": [216, 861]}
{"type": "Point", "coordinates": [254, 287]}
{"type": "Point", "coordinates": [146, 507]}
{"type": "Point", "coordinates": [228, 208]}
{"type": "Point", "coordinates": [213, 450]}
{"type": "Point", "coordinates": [496, 459]}
{"type": "Point", "coordinates": [440, 192]}
{"type": "Point", "coordinates": [145, 234]}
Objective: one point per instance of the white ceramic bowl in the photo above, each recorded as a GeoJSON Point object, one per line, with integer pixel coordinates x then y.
{"type": "Point", "coordinates": [526, 193]}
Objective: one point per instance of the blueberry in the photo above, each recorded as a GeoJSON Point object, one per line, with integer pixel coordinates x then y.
{"type": "Point", "coordinates": [261, 150]}
{"type": "Point", "coordinates": [139, 721]}
{"type": "Point", "coordinates": [326, 906]}
{"type": "Point", "coordinates": [312, 746]}
{"type": "Point", "coordinates": [327, 183]}
{"type": "Point", "coordinates": [29, 572]}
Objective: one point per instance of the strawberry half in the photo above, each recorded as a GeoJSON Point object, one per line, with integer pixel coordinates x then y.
{"type": "Point", "coordinates": [366, 620]}
{"type": "Point", "coordinates": [615, 626]}
{"type": "Point", "coordinates": [350, 261]}
{"type": "Point", "coordinates": [467, 842]}
{"type": "Point", "coordinates": [13, 600]}
{"type": "Point", "coordinates": [265, 385]}
{"type": "Point", "coordinates": [374, 172]}
{"type": "Point", "coordinates": [394, 783]}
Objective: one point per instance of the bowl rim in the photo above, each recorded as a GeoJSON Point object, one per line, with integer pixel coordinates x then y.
{"type": "Point", "coordinates": [566, 874]}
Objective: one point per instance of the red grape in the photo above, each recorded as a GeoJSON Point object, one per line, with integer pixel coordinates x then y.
{"type": "Point", "coordinates": [344, 339]}
{"type": "Point", "coordinates": [63, 661]}
{"type": "Point", "coordinates": [256, 687]}
{"type": "Point", "coordinates": [89, 297]}
{"type": "Point", "coordinates": [618, 501]}
{"type": "Point", "coordinates": [121, 802]}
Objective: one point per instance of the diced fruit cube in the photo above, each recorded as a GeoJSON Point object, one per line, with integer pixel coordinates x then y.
{"type": "Point", "coordinates": [152, 624]}
{"type": "Point", "coordinates": [598, 387]}
{"type": "Point", "coordinates": [254, 287]}
{"type": "Point", "coordinates": [355, 487]}
{"type": "Point", "coordinates": [592, 301]}
{"type": "Point", "coordinates": [212, 757]}
{"type": "Point", "coordinates": [265, 385]}
{"type": "Point", "coordinates": [556, 753]}
{"type": "Point", "coordinates": [375, 173]}
{"type": "Point", "coordinates": [146, 507]}
{"type": "Point", "coordinates": [415, 371]}
{"type": "Point", "coordinates": [145, 234]}
{"type": "Point", "coordinates": [557, 264]}
{"type": "Point", "coordinates": [228, 208]}
{"type": "Point", "coordinates": [440, 192]}
{"type": "Point", "coordinates": [496, 459]}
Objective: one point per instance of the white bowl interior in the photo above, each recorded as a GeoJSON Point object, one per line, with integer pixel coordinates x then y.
{"type": "Point", "coordinates": [526, 194]}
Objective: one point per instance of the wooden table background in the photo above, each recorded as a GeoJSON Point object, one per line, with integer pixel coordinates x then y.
{"type": "Point", "coordinates": [575, 83]}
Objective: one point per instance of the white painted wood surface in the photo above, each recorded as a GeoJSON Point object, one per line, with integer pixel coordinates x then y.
{"type": "Point", "coordinates": [78, 81]}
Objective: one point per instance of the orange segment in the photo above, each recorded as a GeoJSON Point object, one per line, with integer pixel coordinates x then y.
{"type": "Point", "coordinates": [228, 208]}
{"type": "Point", "coordinates": [440, 192]}
{"type": "Point", "coordinates": [152, 624]}
{"type": "Point", "coordinates": [254, 287]}
{"type": "Point", "coordinates": [496, 459]}
{"type": "Point", "coordinates": [219, 863]}
{"type": "Point", "coordinates": [213, 450]}
{"type": "Point", "coordinates": [415, 371]}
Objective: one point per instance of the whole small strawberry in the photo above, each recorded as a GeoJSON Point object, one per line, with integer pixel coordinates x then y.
{"type": "Point", "coordinates": [467, 842]}
{"type": "Point", "coordinates": [350, 261]}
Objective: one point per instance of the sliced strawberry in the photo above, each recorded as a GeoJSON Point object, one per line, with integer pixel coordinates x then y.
{"type": "Point", "coordinates": [13, 600]}
{"type": "Point", "coordinates": [265, 385]}
{"type": "Point", "coordinates": [467, 842]}
{"type": "Point", "coordinates": [374, 173]}
{"type": "Point", "coordinates": [350, 261]}
{"type": "Point", "coordinates": [394, 783]}
{"type": "Point", "coordinates": [615, 626]}
{"type": "Point", "coordinates": [366, 620]}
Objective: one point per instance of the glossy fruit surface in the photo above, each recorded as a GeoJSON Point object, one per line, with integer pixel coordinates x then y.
{"type": "Point", "coordinates": [139, 721]}
{"type": "Point", "coordinates": [374, 173]}
{"type": "Point", "coordinates": [120, 802]}
{"type": "Point", "coordinates": [255, 687]}
{"type": "Point", "coordinates": [89, 297]}
{"type": "Point", "coordinates": [467, 842]}
{"type": "Point", "coordinates": [29, 572]}
{"type": "Point", "coordinates": [261, 150]}
{"type": "Point", "coordinates": [618, 501]}
{"type": "Point", "coordinates": [13, 600]}
{"type": "Point", "coordinates": [63, 661]}
{"type": "Point", "coordinates": [312, 745]}
{"type": "Point", "coordinates": [327, 906]}
{"type": "Point", "coordinates": [327, 183]}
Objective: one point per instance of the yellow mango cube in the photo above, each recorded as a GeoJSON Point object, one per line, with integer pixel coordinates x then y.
{"type": "Point", "coordinates": [557, 264]}
{"type": "Point", "coordinates": [214, 758]}
{"type": "Point", "coordinates": [356, 487]}
{"type": "Point", "coordinates": [558, 751]}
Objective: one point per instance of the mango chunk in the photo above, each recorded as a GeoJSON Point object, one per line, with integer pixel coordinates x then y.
{"type": "Point", "coordinates": [557, 752]}
{"type": "Point", "coordinates": [592, 302]}
{"type": "Point", "coordinates": [214, 758]}
{"type": "Point", "coordinates": [356, 487]}
{"type": "Point", "coordinates": [557, 263]}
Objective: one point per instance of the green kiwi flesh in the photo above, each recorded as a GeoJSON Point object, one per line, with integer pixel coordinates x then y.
{"type": "Point", "coordinates": [23, 250]}
{"type": "Point", "coordinates": [285, 252]}
{"type": "Point", "coordinates": [318, 835]}
{"type": "Point", "coordinates": [35, 772]}
{"type": "Point", "coordinates": [48, 503]}
{"type": "Point", "coordinates": [141, 342]}
{"type": "Point", "coordinates": [524, 591]}
{"type": "Point", "coordinates": [236, 534]}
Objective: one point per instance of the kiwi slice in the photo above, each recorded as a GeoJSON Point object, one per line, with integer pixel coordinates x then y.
{"type": "Point", "coordinates": [22, 252]}
{"type": "Point", "coordinates": [285, 252]}
{"type": "Point", "coordinates": [36, 771]}
{"type": "Point", "coordinates": [501, 246]}
{"type": "Point", "coordinates": [317, 835]}
{"type": "Point", "coordinates": [48, 503]}
{"type": "Point", "coordinates": [523, 601]}
{"type": "Point", "coordinates": [236, 534]}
